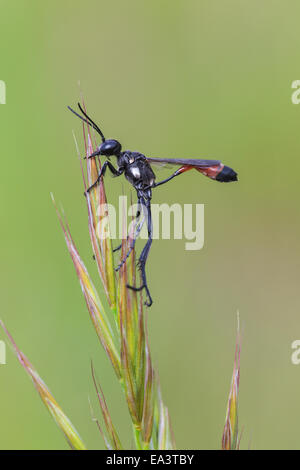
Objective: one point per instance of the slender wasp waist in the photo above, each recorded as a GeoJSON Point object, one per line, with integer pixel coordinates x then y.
{"type": "Point", "coordinates": [136, 169]}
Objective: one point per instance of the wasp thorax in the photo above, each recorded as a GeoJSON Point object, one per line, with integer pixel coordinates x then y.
{"type": "Point", "coordinates": [110, 147]}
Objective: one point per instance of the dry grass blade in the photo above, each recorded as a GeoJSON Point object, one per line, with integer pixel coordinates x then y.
{"type": "Point", "coordinates": [57, 413]}
{"type": "Point", "coordinates": [111, 439]}
{"type": "Point", "coordinates": [148, 397]}
{"type": "Point", "coordinates": [163, 437]}
{"type": "Point", "coordinates": [230, 439]}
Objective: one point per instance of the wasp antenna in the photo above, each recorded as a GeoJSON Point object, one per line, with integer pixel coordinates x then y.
{"type": "Point", "coordinates": [89, 121]}
{"type": "Point", "coordinates": [92, 122]}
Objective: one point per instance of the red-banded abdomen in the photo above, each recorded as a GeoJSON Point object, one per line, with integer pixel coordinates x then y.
{"type": "Point", "coordinates": [219, 172]}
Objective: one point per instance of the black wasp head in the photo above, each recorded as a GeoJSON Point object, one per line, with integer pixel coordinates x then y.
{"type": "Point", "coordinates": [110, 147]}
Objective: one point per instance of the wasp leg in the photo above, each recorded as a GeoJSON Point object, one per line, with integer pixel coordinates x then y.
{"type": "Point", "coordinates": [137, 229]}
{"type": "Point", "coordinates": [95, 154]}
{"type": "Point", "coordinates": [143, 258]}
{"type": "Point", "coordinates": [136, 217]}
{"type": "Point", "coordinates": [106, 164]}
{"type": "Point", "coordinates": [118, 247]}
{"type": "Point", "coordinates": [176, 173]}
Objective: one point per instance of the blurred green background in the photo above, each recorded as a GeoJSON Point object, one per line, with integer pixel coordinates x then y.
{"type": "Point", "coordinates": [174, 78]}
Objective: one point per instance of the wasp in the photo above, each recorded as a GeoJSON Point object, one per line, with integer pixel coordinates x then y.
{"type": "Point", "coordinates": [137, 169]}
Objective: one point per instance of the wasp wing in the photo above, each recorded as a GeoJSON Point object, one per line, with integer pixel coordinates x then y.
{"type": "Point", "coordinates": [192, 162]}
{"type": "Point", "coordinates": [213, 169]}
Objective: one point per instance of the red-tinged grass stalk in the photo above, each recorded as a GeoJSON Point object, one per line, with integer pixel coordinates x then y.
{"type": "Point", "coordinates": [230, 438]}
{"type": "Point", "coordinates": [71, 435]}
{"type": "Point", "coordinates": [121, 327]}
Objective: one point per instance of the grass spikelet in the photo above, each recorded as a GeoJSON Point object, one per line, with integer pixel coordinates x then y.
{"type": "Point", "coordinates": [230, 440]}
{"type": "Point", "coordinates": [121, 325]}
{"type": "Point", "coordinates": [133, 361]}
{"type": "Point", "coordinates": [98, 222]}
{"type": "Point", "coordinates": [55, 410]}
{"type": "Point", "coordinates": [162, 435]}
{"type": "Point", "coordinates": [111, 437]}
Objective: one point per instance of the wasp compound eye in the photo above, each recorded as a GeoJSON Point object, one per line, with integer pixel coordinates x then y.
{"type": "Point", "coordinates": [110, 147]}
